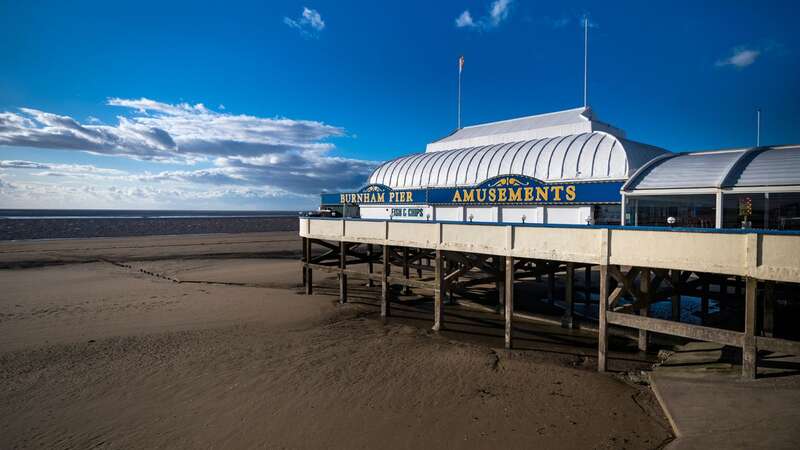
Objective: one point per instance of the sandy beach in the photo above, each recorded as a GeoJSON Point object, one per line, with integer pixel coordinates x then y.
{"type": "Point", "coordinates": [206, 341]}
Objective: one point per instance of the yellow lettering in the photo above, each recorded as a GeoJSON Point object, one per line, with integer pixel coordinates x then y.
{"type": "Point", "coordinates": [492, 195]}
{"type": "Point", "coordinates": [557, 193]}
{"type": "Point", "coordinates": [541, 193]}
{"type": "Point", "coordinates": [457, 197]}
{"type": "Point", "coordinates": [515, 195]}
{"type": "Point", "coordinates": [381, 197]}
{"type": "Point", "coordinates": [528, 194]}
{"type": "Point", "coordinates": [481, 195]}
{"type": "Point", "coordinates": [501, 194]}
{"type": "Point", "coordinates": [570, 193]}
{"type": "Point", "coordinates": [469, 195]}
{"type": "Point", "coordinates": [342, 198]}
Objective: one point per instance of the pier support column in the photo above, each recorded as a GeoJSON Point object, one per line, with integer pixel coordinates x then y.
{"type": "Point", "coordinates": [370, 267]}
{"type": "Point", "coordinates": [645, 289]}
{"type": "Point", "coordinates": [568, 319]}
{"type": "Point", "coordinates": [500, 283]}
{"type": "Point", "coordinates": [769, 308]}
{"type": "Point", "coordinates": [304, 259]}
{"type": "Point", "coordinates": [309, 274]}
{"type": "Point", "coordinates": [602, 331]}
{"type": "Point", "coordinates": [587, 285]}
{"type": "Point", "coordinates": [385, 300]}
{"type": "Point", "coordinates": [342, 275]}
{"type": "Point", "coordinates": [551, 286]}
{"type": "Point", "coordinates": [406, 289]}
{"type": "Point", "coordinates": [438, 293]}
{"type": "Point", "coordinates": [509, 299]}
{"type": "Point", "coordinates": [749, 350]}
{"type": "Point", "coordinates": [704, 303]}
{"type": "Point", "coordinates": [675, 277]}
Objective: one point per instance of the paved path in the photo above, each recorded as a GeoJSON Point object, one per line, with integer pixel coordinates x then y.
{"type": "Point", "coordinates": [710, 406]}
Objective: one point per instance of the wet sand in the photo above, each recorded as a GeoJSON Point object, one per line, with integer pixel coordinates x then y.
{"type": "Point", "coordinates": [207, 341]}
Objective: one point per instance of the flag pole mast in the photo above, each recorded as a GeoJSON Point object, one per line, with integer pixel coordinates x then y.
{"type": "Point", "coordinates": [758, 127]}
{"type": "Point", "coordinates": [585, 58]}
{"type": "Point", "coordinates": [460, 65]}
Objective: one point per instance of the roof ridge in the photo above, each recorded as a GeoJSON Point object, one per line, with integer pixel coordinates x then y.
{"type": "Point", "coordinates": [528, 117]}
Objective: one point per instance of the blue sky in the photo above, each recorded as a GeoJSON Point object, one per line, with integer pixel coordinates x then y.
{"type": "Point", "coordinates": [229, 105]}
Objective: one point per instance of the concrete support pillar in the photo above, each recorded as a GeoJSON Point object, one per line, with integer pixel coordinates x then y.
{"type": "Point", "coordinates": [675, 276]}
{"type": "Point", "coordinates": [551, 286]}
{"type": "Point", "coordinates": [645, 288]}
{"type": "Point", "coordinates": [704, 303]}
{"type": "Point", "coordinates": [406, 289]}
{"type": "Point", "coordinates": [500, 283]}
{"type": "Point", "coordinates": [602, 332]}
{"type": "Point", "coordinates": [385, 300]}
{"type": "Point", "coordinates": [370, 267]}
{"type": "Point", "coordinates": [342, 275]}
{"type": "Point", "coordinates": [769, 308]}
{"type": "Point", "coordinates": [304, 258]}
{"type": "Point", "coordinates": [568, 319]}
{"type": "Point", "coordinates": [438, 293]}
{"type": "Point", "coordinates": [587, 285]}
{"type": "Point", "coordinates": [309, 274]}
{"type": "Point", "coordinates": [509, 300]}
{"type": "Point", "coordinates": [749, 350]}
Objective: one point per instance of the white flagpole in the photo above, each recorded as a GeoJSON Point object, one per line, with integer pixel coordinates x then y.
{"type": "Point", "coordinates": [460, 66]}
{"type": "Point", "coordinates": [585, 59]}
{"type": "Point", "coordinates": [758, 127]}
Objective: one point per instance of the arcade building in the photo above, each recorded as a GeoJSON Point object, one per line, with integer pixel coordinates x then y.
{"type": "Point", "coordinates": [567, 167]}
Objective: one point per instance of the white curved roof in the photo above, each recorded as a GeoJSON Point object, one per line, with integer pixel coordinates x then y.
{"type": "Point", "coordinates": [587, 156]}
{"type": "Point", "coordinates": [554, 124]}
{"type": "Point", "coordinates": [745, 167]}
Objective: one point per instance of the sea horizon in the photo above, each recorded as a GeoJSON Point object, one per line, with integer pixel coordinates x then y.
{"type": "Point", "coordinates": [68, 213]}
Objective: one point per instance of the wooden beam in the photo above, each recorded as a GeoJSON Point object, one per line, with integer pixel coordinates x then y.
{"type": "Point", "coordinates": [385, 300]}
{"type": "Point", "coordinates": [749, 349]}
{"type": "Point", "coordinates": [370, 263]}
{"type": "Point", "coordinates": [309, 276]}
{"type": "Point", "coordinates": [509, 301]}
{"type": "Point", "coordinates": [587, 284]}
{"type": "Point", "coordinates": [500, 283]}
{"type": "Point", "coordinates": [343, 274]}
{"type": "Point", "coordinates": [644, 281]}
{"type": "Point", "coordinates": [602, 332]}
{"type": "Point", "coordinates": [568, 318]}
{"type": "Point", "coordinates": [304, 259]}
{"type": "Point", "coordinates": [675, 279]}
{"type": "Point", "coordinates": [438, 292]}
{"type": "Point", "coordinates": [778, 345]}
{"type": "Point", "coordinates": [769, 309]}
{"type": "Point", "coordinates": [406, 290]}
{"type": "Point", "coordinates": [701, 333]}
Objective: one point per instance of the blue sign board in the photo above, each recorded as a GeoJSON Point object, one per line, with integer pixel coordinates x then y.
{"type": "Point", "coordinates": [502, 190]}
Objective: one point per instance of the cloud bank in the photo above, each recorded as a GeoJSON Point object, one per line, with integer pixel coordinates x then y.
{"type": "Point", "coordinates": [497, 13]}
{"type": "Point", "coordinates": [309, 24]}
{"type": "Point", "coordinates": [247, 155]}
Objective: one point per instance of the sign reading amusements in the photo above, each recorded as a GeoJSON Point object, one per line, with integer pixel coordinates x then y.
{"type": "Point", "coordinates": [502, 190]}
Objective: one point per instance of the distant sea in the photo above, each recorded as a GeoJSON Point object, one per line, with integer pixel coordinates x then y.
{"type": "Point", "coordinates": [17, 224]}
{"type": "Point", "coordinates": [133, 214]}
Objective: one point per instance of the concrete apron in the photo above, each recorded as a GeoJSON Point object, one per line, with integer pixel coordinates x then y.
{"type": "Point", "coordinates": [710, 406]}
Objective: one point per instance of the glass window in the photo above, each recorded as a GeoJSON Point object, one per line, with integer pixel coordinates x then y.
{"type": "Point", "coordinates": [695, 211]}
{"type": "Point", "coordinates": [783, 211]}
{"type": "Point", "coordinates": [606, 214]}
{"type": "Point", "coordinates": [743, 210]}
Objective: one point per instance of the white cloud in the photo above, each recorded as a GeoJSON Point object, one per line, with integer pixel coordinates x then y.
{"type": "Point", "coordinates": [740, 57]}
{"type": "Point", "coordinates": [275, 153]}
{"type": "Point", "coordinates": [497, 13]}
{"type": "Point", "coordinates": [309, 24]}
{"type": "Point", "coordinates": [465, 20]}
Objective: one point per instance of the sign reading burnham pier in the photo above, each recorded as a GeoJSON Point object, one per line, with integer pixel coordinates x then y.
{"type": "Point", "coordinates": [502, 190]}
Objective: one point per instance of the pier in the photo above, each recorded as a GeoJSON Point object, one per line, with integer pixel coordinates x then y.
{"type": "Point", "coordinates": [637, 266]}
